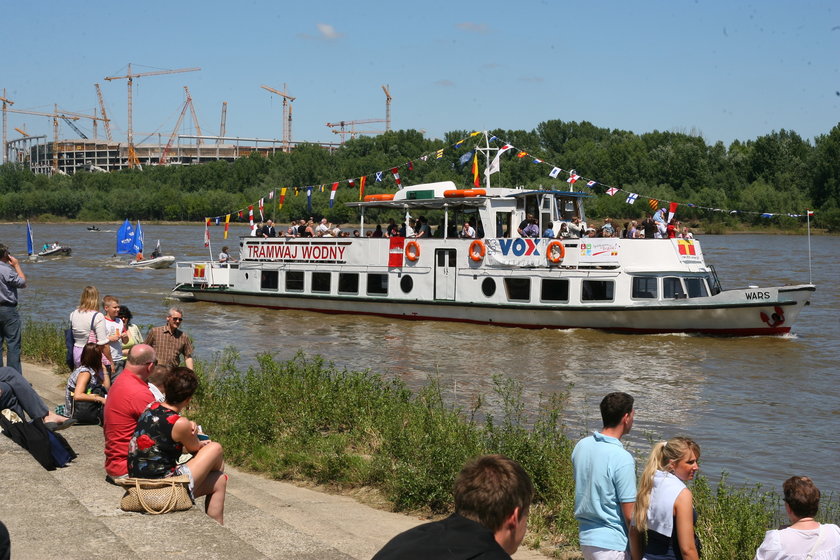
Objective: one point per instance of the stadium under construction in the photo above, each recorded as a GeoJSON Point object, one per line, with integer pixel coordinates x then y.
{"type": "Point", "coordinates": [69, 156]}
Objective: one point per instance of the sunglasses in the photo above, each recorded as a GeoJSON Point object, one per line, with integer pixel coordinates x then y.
{"type": "Point", "coordinates": [178, 319]}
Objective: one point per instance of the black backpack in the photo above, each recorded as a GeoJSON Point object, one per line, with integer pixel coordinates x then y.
{"type": "Point", "coordinates": [51, 450]}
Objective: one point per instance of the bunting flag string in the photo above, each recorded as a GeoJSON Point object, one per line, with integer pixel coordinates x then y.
{"type": "Point", "coordinates": [471, 153]}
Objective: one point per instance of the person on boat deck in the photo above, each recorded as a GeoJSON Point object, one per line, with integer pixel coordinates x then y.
{"type": "Point", "coordinates": [564, 232]}
{"type": "Point", "coordinates": [139, 257]}
{"type": "Point", "coordinates": [661, 224]}
{"type": "Point", "coordinates": [423, 229]}
{"type": "Point", "coordinates": [45, 247]}
{"type": "Point", "coordinates": [524, 224]}
{"type": "Point", "coordinates": [576, 229]}
{"type": "Point", "coordinates": [393, 230]}
{"type": "Point", "coordinates": [607, 230]}
{"type": "Point", "coordinates": [467, 232]}
{"type": "Point", "coordinates": [378, 231]}
{"type": "Point", "coordinates": [686, 233]}
{"type": "Point", "coordinates": [549, 231]}
{"type": "Point", "coordinates": [224, 257]}
{"type": "Point", "coordinates": [322, 227]}
{"type": "Point", "coordinates": [268, 229]}
{"type": "Point", "coordinates": [156, 252]}
{"type": "Point", "coordinates": [532, 229]}
{"type": "Point", "coordinates": [672, 229]}
{"type": "Point", "coordinates": [649, 227]}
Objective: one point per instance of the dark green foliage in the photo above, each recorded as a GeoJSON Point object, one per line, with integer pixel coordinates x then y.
{"type": "Point", "coordinates": [779, 173]}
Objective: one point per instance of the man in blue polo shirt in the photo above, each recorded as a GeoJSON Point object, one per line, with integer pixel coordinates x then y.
{"type": "Point", "coordinates": [605, 485]}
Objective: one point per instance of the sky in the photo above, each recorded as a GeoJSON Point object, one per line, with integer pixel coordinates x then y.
{"type": "Point", "coordinates": [725, 70]}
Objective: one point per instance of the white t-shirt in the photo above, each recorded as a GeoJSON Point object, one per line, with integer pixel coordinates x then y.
{"type": "Point", "coordinates": [111, 327]}
{"type": "Point", "coordinates": [793, 544]}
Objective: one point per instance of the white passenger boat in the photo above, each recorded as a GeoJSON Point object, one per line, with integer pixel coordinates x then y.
{"type": "Point", "coordinates": [500, 278]}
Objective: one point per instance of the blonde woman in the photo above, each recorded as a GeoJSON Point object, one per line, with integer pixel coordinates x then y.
{"type": "Point", "coordinates": [664, 506]}
{"type": "Point", "coordinates": [88, 324]}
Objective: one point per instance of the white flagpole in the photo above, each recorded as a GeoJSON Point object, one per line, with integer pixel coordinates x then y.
{"type": "Point", "coordinates": [808, 220]}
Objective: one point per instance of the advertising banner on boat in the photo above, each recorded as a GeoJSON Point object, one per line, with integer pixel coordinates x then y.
{"type": "Point", "coordinates": [516, 252]}
{"type": "Point", "coordinates": [688, 251]}
{"type": "Point", "coordinates": [598, 251]}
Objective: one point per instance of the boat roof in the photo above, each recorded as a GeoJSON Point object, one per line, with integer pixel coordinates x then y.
{"type": "Point", "coordinates": [431, 195]}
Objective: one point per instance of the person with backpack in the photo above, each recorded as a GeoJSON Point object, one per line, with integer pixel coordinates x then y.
{"type": "Point", "coordinates": [87, 384]}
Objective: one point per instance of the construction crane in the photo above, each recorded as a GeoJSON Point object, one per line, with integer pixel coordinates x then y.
{"type": "Point", "coordinates": [104, 113]}
{"type": "Point", "coordinates": [222, 125]}
{"type": "Point", "coordinates": [387, 107]}
{"type": "Point", "coordinates": [129, 76]}
{"type": "Point", "coordinates": [10, 102]}
{"type": "Point", "coordinates": [352, 124]}
{"type": "Point", "coordinates": [54, 116]}
{"type": "Point", "coordinates": [74, 127]}
{"type": "Point", "coordinates": [287, 115]}
{"type": "Point", "coordinates": [187, 103]}
{"type": "Point", "coordinates": [23, 132]}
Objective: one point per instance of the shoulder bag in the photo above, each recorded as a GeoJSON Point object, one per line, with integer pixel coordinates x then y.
{"type": "Point", "coordinates": [156, 495]}
{"type": "Point", "coordinates": [90, 412]}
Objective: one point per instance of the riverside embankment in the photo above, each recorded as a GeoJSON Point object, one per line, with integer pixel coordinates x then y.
{"type": "Point", "coordinates": [72, 513]}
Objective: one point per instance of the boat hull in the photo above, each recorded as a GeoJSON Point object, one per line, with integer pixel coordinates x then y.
{"type": "Point", "coordinates": [160, 262]}
{"type": "Point", "coordinates": [721, 317]}
{"type": "Point", "coordinates": [58, 252]}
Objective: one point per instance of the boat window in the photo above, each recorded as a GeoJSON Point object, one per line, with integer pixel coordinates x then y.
{"type": "Point", "coordinates": [294, 281]}
{"type": "Point", "coordinates": [377, 284]}
{"type": "Point", "coordinates": [268, 280]}
{"type": "Point", "coordinates": [696, 287]}
{"type": "Point", "coordinates": [446, 258]}
{"type": "Point", "coordinates": [502, 224]}
{"type": "Point", "coordinates": [488, 286]}
{"type": "Point", "coordinates": [597, 290]}
{"type": "Point", "coordinates": [672, 288]}
{"type": "Point", "coordinates": [321, 282]}
{"type": "Point", "coordinates": [555, 290]}
{"type": "Point", "coordinates": [406, 284]}
{"type": "Point", "coordinates": [644, 287]}
{"type": "Point", "coordinates": [348, 283]}
{"type": "Point", "coordinates": [518, 289]}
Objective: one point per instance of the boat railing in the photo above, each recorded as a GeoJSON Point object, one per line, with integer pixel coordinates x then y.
{"type": "Point", "coordinates": [204, 273]}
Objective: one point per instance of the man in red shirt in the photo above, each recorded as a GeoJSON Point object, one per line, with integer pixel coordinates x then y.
{"type": "Point", "coordinates": [127, 399]}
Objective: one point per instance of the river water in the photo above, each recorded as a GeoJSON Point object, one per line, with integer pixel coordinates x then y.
{"type": "Point", "coordinates": [761, 408]}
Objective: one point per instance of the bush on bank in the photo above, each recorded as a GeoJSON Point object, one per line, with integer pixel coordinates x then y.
{"type": "Point", "coordinates": [304, 419]}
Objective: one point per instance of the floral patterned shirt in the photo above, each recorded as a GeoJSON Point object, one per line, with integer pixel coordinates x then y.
{"type": "Point", "coordinates": [152, 453]}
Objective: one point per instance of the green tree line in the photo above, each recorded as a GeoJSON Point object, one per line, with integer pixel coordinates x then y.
{"type": "Point", "coordinates": [779, 173]}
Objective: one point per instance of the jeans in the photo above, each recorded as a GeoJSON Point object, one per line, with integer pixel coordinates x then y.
{"type": "Point", "coordinates": [10, 332]}
{"type": "Point", "coordinates": [22, 390]}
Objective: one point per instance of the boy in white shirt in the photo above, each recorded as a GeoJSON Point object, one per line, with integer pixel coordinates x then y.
{"type": "Point", "coordinates": [117, 334]}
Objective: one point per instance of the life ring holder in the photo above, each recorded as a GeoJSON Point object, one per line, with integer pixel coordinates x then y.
{"type": "Point", "coordinates": [477, 255]}
{"type": "Point", "coordinates": [555, 257]}
{"type": "Point", "coordinates": [412, 251]}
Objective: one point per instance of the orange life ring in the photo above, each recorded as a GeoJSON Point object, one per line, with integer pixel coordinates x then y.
{"type": "Point", "coordinates": [479, 254]}
{"type": "Point", "coordinates": [412, 251]}
{"type": "Point", "coordinates": [554, 257]}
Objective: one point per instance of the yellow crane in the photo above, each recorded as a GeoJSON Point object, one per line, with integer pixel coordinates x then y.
{"type": "Point", "coordinates": [342, 128]}
{"type": "Point", "coordinates": [23, 132]}
{"type": "Point", "coordinates": [5, 102]}
{"type": "Point", "coordinates": [388, 98]}
{"type": "Point", "coordinates": [287, 115]}
{"type": "Point", "coordinates": [187, 103]}
{"type": "Point", "coordinates": [54, 116]}
{"type": "Point", "coordinates": [129, 76]}
{"type": "Point", "coordinates": [104, 113]}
